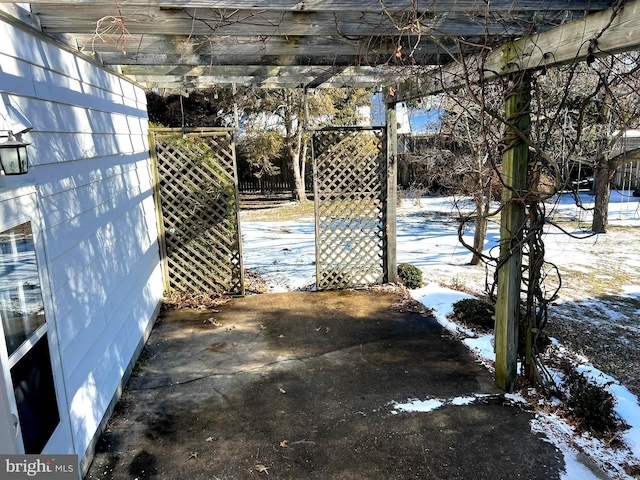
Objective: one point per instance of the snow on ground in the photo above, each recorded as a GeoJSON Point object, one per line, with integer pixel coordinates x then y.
{"type": "Point", "coordinates": [283, 254]}
{"type": "Point", "coordinates": [559, 433]}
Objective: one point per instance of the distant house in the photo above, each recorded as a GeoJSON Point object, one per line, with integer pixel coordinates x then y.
{"type": "Point", "coordinates": [80, 277]}
{"type": "Point", "coordinates": [627, 177]}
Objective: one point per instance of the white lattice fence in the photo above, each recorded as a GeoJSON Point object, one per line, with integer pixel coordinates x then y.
{"type": "Point", "coordinates": [350, 201]}
{"type": "Point", "coordinates": [197, 194]}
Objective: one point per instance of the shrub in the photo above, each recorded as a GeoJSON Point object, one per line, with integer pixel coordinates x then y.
{"type": "Point", "coordinates": [475, 312]}
{"type": "Point", "coordinates": [591, 404]}
{"type": "Point", "coordinates": [410, 275]}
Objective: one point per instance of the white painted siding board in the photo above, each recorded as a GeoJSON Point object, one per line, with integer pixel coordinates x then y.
{"type": "Point", "coordinates": [64, 236]}
{"type": "Point", "coordinates": [66, 205]}
{"type": "Point", "coordinates": [139, 142]}
{"type": "Point", "coordinates": [94, 386]}
{"type": "Point", "coordinates": [50, 86]}
{"type": "Point", "coordinates": [104, 356]}
{"type": "Point", "coordinates": [137, 302]}
{"type": "Point", "coordinates": [69, 118]}
{"type": "Point", "coordinates": [15, 77]}
{"type": "Point", "coordinates": [91, 97]}
{"type": "Point", "coordinates": [19, 44]}
{"type": "Point", "coordinates": [9, 207]}
{"type": "Point", "coordinates": [76, 330]}
{"type": "Point", "coordinates": [62, 147]}
{"type": "Point", "coordinates": [78, 173]}
{"type": "Point", "coordinates": [137, 126]}
{"type": "Point", "coordinates": [53, 79]}
{"type": "Point", "coordinates": [128, 89]}
{"type": "Point", "coordinates": [87, 287]}
{"type": "Point", "coordinates": [63, 268]}
{"type": "Point", "coordinates": [98, 78]}
{"type": "Point", "coordinates": [90, 272]}
{"type": "Point", "coordinates": [149, 208]}
{"type": "Point", "coordinates": [79, 327]}
{"type": "Point", "coordinates": [143, 254]}
{"type": "Point", "coordinates": [92, 360]}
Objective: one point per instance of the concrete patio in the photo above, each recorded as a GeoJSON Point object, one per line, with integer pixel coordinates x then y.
{"type": "Point", "coordinates": [301, 385]}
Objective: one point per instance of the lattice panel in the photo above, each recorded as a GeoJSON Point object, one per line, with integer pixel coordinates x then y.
{"type": "Point", "coordinates": [197, 179]}
{"type": "Point", "coordinates": [350, 202]}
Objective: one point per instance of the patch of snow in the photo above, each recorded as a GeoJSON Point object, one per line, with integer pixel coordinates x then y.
{"type": "Point", "coordinates": [438, 298]}
{"type": "Point", "coordinates": [626, 407]}
{"type": "Point", "coordinates": [429, 405]}
{"type": "Point", "coordinates": [419, 405]}
{"type": "Point", "coordinates": [458, 401]}
{"type": "Point", "coordinates": [631, 290]}
{"type": "Point", "coordinates": [558, 434]}
{"type": "Point", "coordinates": [483, 346]}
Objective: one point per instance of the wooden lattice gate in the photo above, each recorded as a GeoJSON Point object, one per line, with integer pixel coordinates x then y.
{"type": "Point", "coordinates": [350, 194]}
{"type": "Point", "coordinates": [197, 197]}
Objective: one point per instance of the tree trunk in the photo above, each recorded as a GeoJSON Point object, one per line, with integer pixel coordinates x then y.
{"type": "Point", "coordinates": [303, 164]}
{"type": "Point", "coordinates": [604, 172]}
{"type": "Point", "coordinates": [483, 206]}
{"type": "Point", "coordinates": [293, 147]}
{"type": "Point", "coordinates": [299, 192]}
{"type": "Point", "coordinates": [479, 236]}
{"type": "Point", "coordinates": [602, 187]}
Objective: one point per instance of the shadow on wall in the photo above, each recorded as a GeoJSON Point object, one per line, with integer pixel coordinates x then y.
{"type": "Point", "coordinates": [89, 160]}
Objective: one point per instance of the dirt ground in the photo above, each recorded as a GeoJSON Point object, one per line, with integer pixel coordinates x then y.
{"type": "Point", "coordinates": [300, 385]}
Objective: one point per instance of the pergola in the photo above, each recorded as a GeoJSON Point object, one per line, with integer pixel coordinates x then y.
{"type": "Point", "coordinates": [299, 43]}
{"type": "Point", "coordinates": [413, 47]}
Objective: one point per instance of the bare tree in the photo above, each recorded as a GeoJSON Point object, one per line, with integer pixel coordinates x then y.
{"type": "Point", "coordinates": [294, 112]}
{"type": "Point", "coordinates": [473, 169]}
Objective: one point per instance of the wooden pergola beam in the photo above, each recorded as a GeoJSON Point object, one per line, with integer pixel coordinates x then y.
{"type": "Point", "coordinates": [259, 50]}
{"type": "Point", "coordinates": [463, 6]}
{"type": "Point", "coordinates": [132, 20]}
{"type": "Point", "coordinates": [603, 33]}
{"type": "Point", "coordinates": [160, 61]}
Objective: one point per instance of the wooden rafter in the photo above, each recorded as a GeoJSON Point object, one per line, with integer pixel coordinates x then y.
{"type": "Point", "coordinates": [346, 5]}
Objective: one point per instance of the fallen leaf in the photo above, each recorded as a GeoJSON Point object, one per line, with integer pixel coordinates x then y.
{"type": "Point", "coordinates": [281, 336]}
{"type": "Point", "coordinates": [261, 468]}
{"type": "Point", "coordinates": [263, 326]}
{"type": "Point", "coordinates": [284, 444]}
{"type": "Point", "coordinates": [282, 390]}
{"type": "Point", "coordinates": [193, 455]}
{"type": "Point", "coordinates": [208, 439]}
{"type": "Point", "coordinates": [318, 329]}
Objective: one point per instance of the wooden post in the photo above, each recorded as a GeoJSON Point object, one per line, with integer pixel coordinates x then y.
{"type": "Point", "coordinates": [514, 174]}
{"type": "Point", "coordinates": [392, 191]}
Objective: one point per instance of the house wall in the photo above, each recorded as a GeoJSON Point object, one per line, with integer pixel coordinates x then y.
{"type": "Point", "coordinates": [89, 163]}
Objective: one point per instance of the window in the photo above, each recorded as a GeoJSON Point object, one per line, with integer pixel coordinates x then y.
{"type": "Point", "coordinates": [25, 335]}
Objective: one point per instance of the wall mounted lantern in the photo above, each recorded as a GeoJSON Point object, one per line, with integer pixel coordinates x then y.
{"type": "Point", "coordinates": [13, 156]}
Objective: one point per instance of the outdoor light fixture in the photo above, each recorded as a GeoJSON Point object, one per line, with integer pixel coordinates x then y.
{"type": "Point", "coordinates": [13, 156]}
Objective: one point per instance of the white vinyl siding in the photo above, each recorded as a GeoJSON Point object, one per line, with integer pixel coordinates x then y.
{"type": "Point", "coordinates": [89, 162]}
